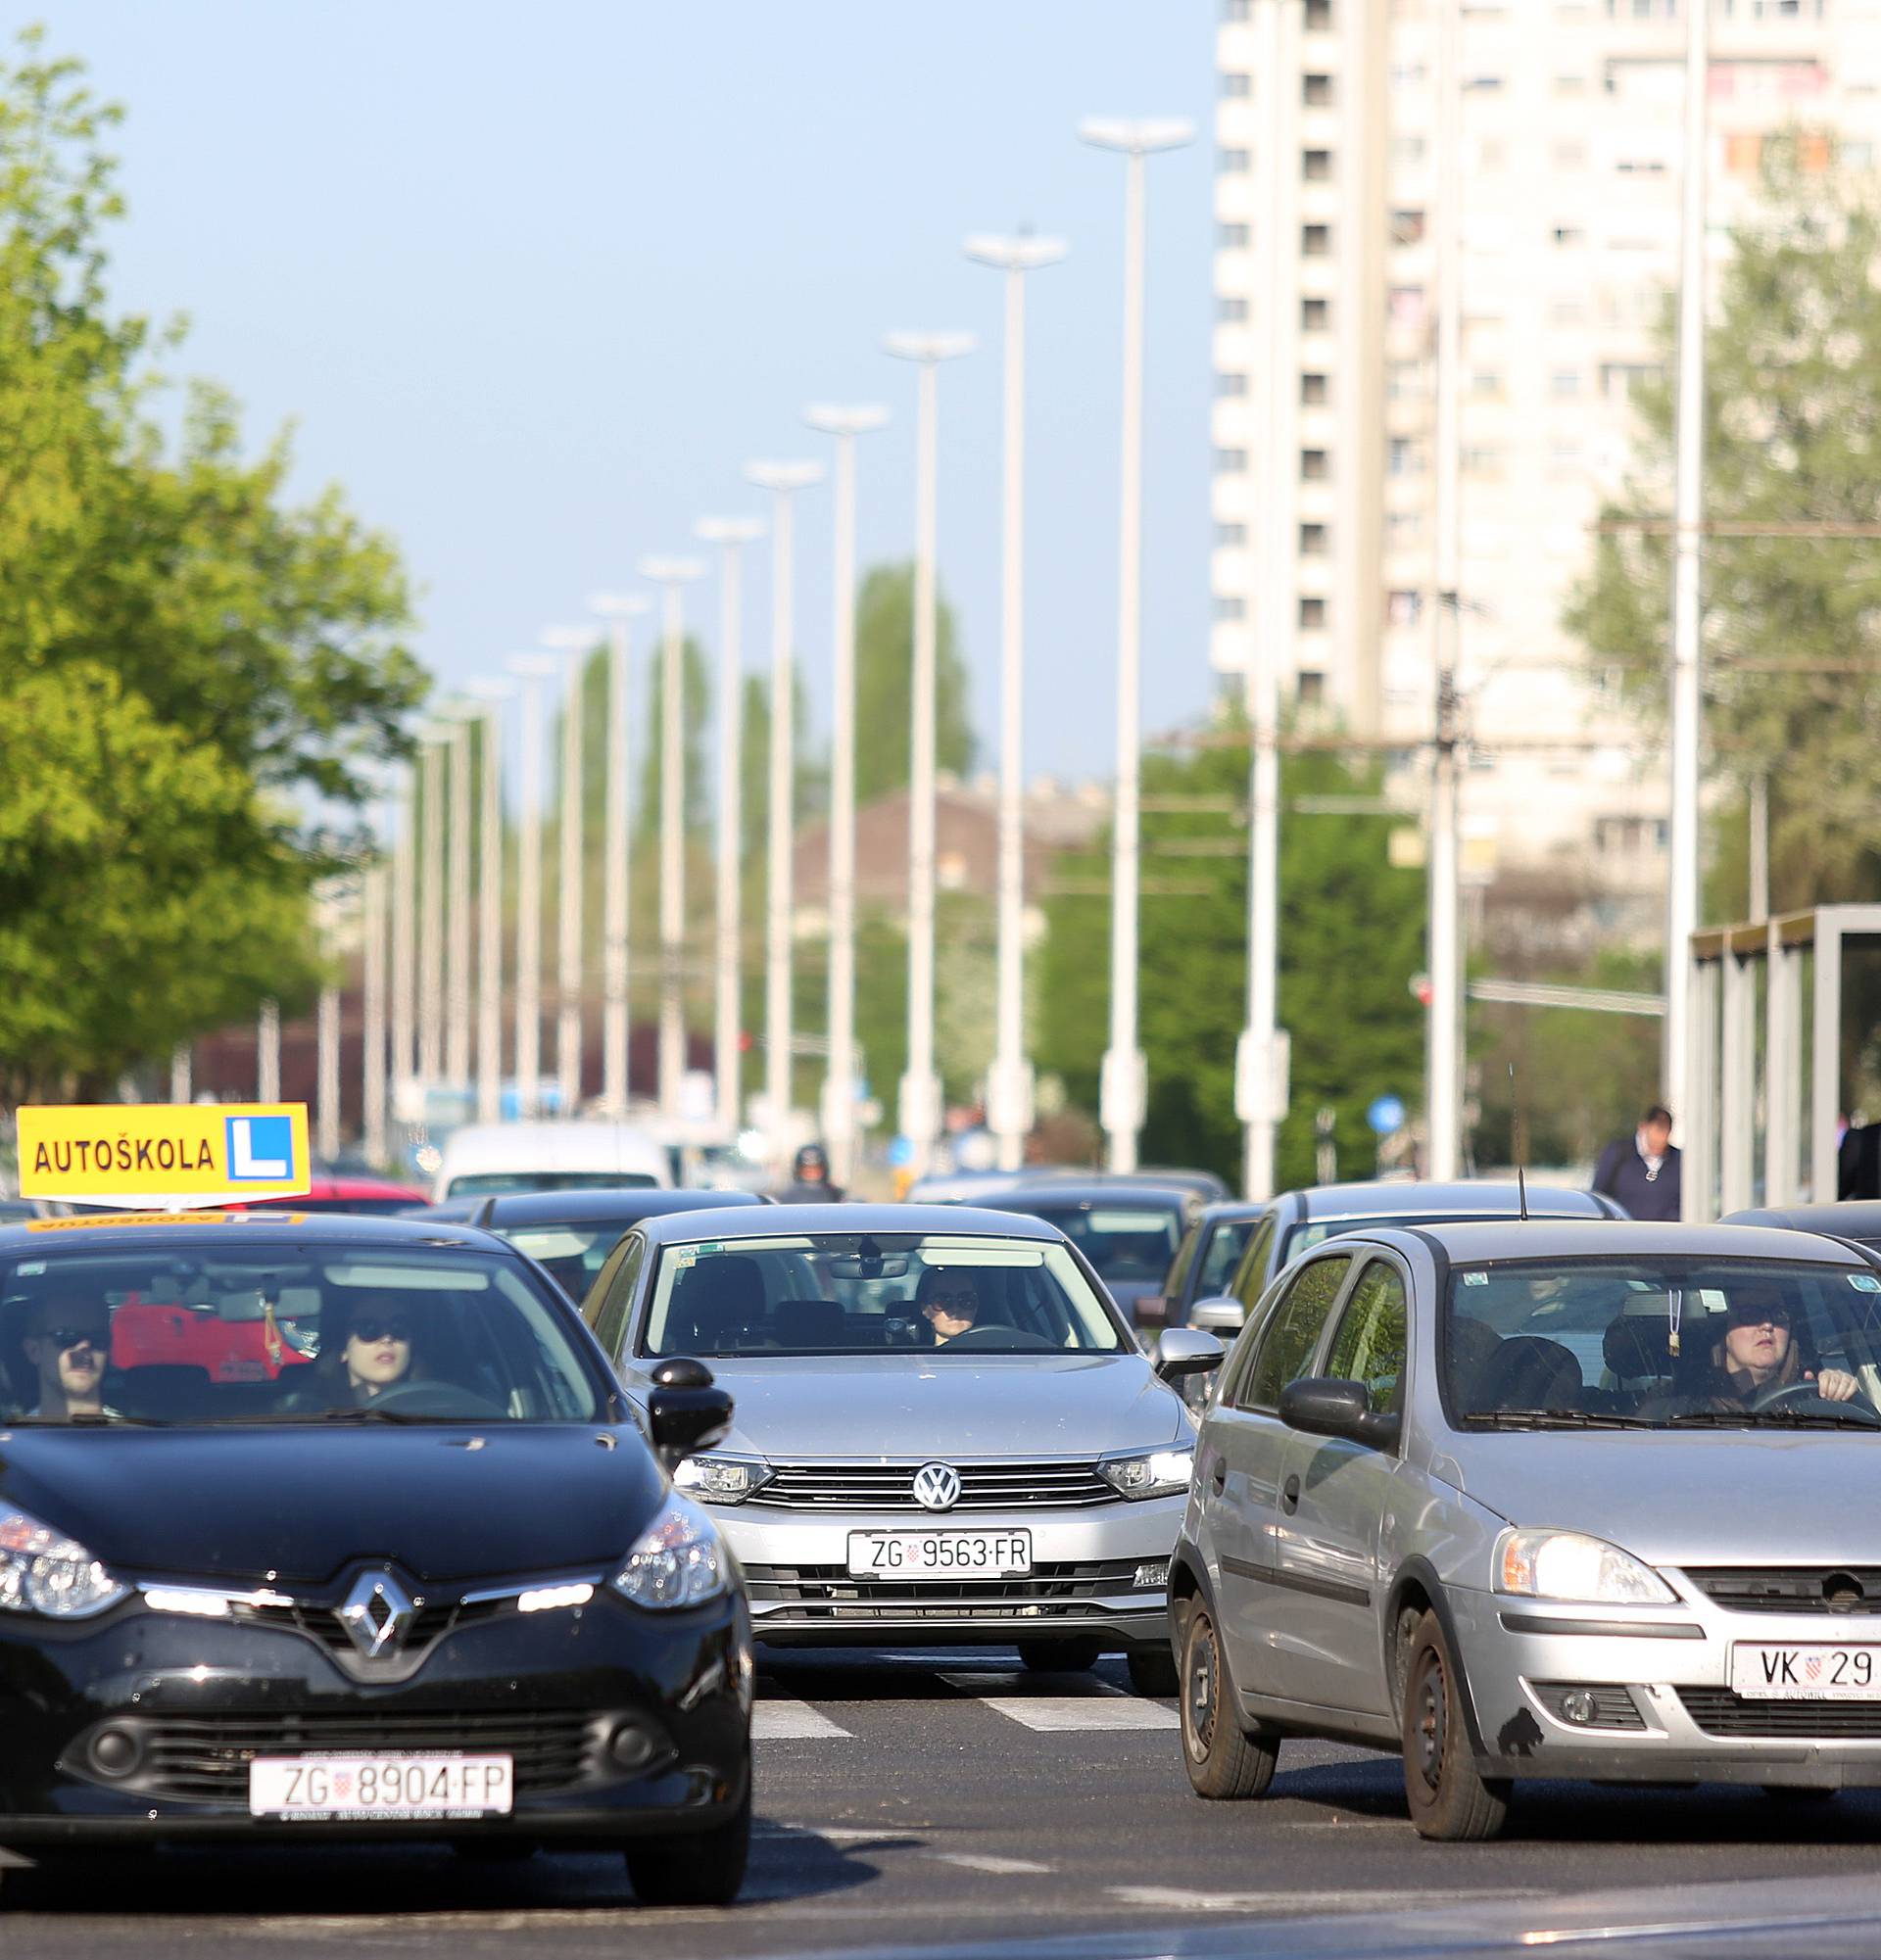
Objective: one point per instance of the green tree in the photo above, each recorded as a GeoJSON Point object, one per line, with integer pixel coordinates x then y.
{"type": "Point", "coordinates": [883, 685]}
{"type": "Point", "coordinates": [1793, 437]}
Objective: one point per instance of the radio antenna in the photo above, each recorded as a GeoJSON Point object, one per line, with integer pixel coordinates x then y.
{"type": "Point", "coordinates": [1521, 1143]}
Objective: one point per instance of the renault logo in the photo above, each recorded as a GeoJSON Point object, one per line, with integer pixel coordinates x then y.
{"type": "Point", "coordinates": [936, 1486]}
{"type": "Point", "coordinates": [378, 1616]}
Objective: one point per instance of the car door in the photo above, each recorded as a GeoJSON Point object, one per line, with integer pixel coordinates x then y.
{"type": "Point", "coordinates": [1333, 1497]}
{"type": "Point", "coordinates": [1239, 1476]}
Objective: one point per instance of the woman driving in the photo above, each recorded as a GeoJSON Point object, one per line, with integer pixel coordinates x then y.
{"type": "Point", "coordinates": [370, 1349]}
{"type": "Point", "coordinates": [1759, 1354]}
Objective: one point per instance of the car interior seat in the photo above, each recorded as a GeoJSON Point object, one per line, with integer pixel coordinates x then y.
{"type": "Point", "coordinates": [162, 1392]}
{"type": "Point", "coordinates": [1526, 1371]}
{"type": "Point", "coordinates": [721, 1292]}
{"type": "Point", "coordinates": [809, 1323]}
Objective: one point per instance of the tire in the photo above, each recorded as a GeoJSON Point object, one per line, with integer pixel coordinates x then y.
{"type": "Point", "coordinates": [1070, 1656]}
{"type": "Point", "coordinates": [1449, 1802]}
{"type": "Point", "coordinates": [1153, 1672]}
{"type": "Point", "coordinates": [693, 1867]}
{"type": "Point", "coordinates": [1223, 1761]}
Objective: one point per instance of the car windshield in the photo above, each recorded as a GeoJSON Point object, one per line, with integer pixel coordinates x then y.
{"type": "Point", "coordinates": [1123, 1242]}
{"type": "Point", "coordinates": [573, 1253]}
{"type": "Point", "coordinates": [1223, 1255]}
{"type": "Point", "coordinates": [307, 1333]}
{"type": "Point", "coordinates": [502, 1183]}
{"type": "Point", "coordinates": [1662, 1343]}
{"type": "Point", "coordinates": [827, 1293]}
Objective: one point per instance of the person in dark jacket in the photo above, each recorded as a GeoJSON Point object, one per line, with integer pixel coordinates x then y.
{"type": "Point", "coordinates": [1641, 1173]}
{"type": "Point", "coordinates": [810, 1179]}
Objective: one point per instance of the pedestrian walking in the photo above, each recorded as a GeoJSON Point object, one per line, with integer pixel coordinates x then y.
{"type": "Point", "coordinates": [1641, 1173]}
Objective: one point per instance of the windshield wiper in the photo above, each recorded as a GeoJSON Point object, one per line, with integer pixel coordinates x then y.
{"type": "Point", "coordinates": [1554, 1418]}
{"type": "Point", "coordinates": [1770, 1419]}
{"type": "Point", "coordinates": [85, 1420]}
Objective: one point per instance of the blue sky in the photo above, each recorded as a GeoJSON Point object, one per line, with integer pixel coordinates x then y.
{"type": "Point", "coordinates": [535, 283]}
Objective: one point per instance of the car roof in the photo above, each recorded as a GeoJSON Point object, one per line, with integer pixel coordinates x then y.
{"type": "Point", "coordinates": [351, 1186]}
{"type": "Point", "coordinates": [633, 1202]}
{"type": "Point", "coordinates": [1068, 1192]}
{"type": "Point", "coordinates": [1855, 1219]}
{"type": "Point", "coordinates": [755, 1222]}
{"type": "Point", "coordinates": [1467, 1241]}
{"type": "Point", "coordinates": [1232, 1211]}
{"type": "Point", "coordinates": [243, 1231]}
{"type": "Point", "coordinates": [1463, 1195]}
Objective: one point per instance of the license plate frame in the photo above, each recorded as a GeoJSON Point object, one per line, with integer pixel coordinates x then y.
{"type": "Point", "coordinates": [398, 1786]}
{"type": "Point", "coordinates": [1806, 1670]}
{"type": "Point", "coordinates": [912, 1554]}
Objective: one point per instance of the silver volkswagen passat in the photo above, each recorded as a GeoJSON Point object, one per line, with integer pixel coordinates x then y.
{"type": "Point", "coordinates": [1543, 1498]}
{"type": "Point", "coordinates": [944, 1432]}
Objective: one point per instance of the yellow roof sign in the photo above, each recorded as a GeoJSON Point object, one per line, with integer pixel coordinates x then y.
{"type": "Point", "coordinates": [163, 1155]}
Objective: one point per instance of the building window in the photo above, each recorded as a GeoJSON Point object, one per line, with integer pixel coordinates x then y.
{"type": "Point", "coordinates": [1563, 384]}
{"type": "Point", "coordinates": [1316, 165]}
{"type": "Point", "coordinates": [1319, 17]}
{"type": "Point", "coordinates": [1316, 240]}
{"type": "Point", "coordinates": [1233, 163]}
{"type": "Point", "coordinates": [1404, 607]}
{"type": "Point", "coordinates": [1485, 384]}
{"type": "Point", "coordinates": [1230, 463]}
{"type": "Point", "coordinates": [1484, 84]}
{"type": "Point", "coordinates": [1316, 91]}
{"type": "Point", "coordinates": [1404, 381]}
{"type": "Point", "coordinates": [1403, 529]}
{"type": "Point", "coordinates": [1313, 467]}
{"type": "Point", "coordinates": [1404, 458]}
{"type": "Point", "coordinates": [1231, 237]}
{"type": "Point", "coordinates": [1314, 391]}
{"type": "Point", "coordinates": [1230, 384]}
{"type": "Point", "coordinates": [1230, 605]}
{"type": "Point", "coordinates": [1235, 82]}
{"type": "Point", "coordinates": [1230, 310]}
{"type": "Point", "coordinates": [1407, 228]}
{"type": "Point", "coordinates": [1571, 156]}
{"type": "Point", "coordinates": [1409, 148]}
{"type": "Point", "coordinates": [1406, 306]}
{"type": "Point", "coordinates": [1316, 315]}
{"type": "Point", "coordinates": [1313, 541]}
{"type": "Point", "coordinates": [1621, 380]}
{"type": "Point", "coordinates": [1231, 535]}
{"type": "Point", "coordinates": [1567, 311]}
{"type": "Point", "coordinates": [1312, 614]}
{"type": "Point", "coordinates": [1310, 688]}
{"type": "Point", "coordinates": [1568, 235]}
{"type": "Point", "coordinates": [1485, 461]}
{"type": "Point", "coordinates": [1571, 85]}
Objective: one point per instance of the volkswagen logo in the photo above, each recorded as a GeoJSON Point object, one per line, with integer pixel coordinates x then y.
{"type": "Point", "coordinates": [936, 1486]}
{"type": "Point", "coordinates": [378, 1616]}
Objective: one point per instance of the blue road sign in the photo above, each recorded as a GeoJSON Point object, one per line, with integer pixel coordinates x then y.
{"type": "Point", "coordinates": [1386, 1115]}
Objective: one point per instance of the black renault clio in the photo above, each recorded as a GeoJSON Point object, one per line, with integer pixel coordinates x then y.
{"type": "Point", "coordinates": [340, 1527]}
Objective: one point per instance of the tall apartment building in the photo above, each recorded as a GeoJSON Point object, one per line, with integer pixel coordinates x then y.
{"type": "Point", "coordinates": [1571, 162]}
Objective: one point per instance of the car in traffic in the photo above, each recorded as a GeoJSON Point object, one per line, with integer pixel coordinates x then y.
{"type": "Point", "coordinates": [571, 1233]}
{"type": "Point", "coordinates": [482, 1160]}
{"type": "Point", "coordinates": [1543, 1498]}
{"type": "Point", "coordinates": [1205, 1261]}
{"type": "Point", "coordinates": [1856, 1220]}
{"type": "Point", "coordinates": [362, 1196]}
{"type": "Point", "coordinates": [946, 1433]}
{"type": "Point", "coordinates": [1129, 1231]}
{"type": "Point", "coordinates": [1296, 1221]}
{"type": "Point", "coordinates": [407, 1568]}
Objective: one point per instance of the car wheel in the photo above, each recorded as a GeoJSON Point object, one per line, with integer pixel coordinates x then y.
{"type": "Point", "coordinates": [1447, 1797]}
{"type": "Point", "coordinates": [1152, 1671]}
{"type": "Point", "coordinates": [693, 1867]}
{"type": "Point", "coordinates": [1221, 1758]}
{"type": "Point", "coordinates": [1059, 1656]}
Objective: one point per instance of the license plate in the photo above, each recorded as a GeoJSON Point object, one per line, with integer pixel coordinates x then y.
{"type": "Point", "coordinates": [1813, 1673]}
{"type": "Point", "coordinates": [384, 1786]}
{"type": "Point", "coordinates": [940, 1554]}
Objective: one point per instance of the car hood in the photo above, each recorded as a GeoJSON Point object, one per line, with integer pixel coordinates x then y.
{"type": "Point", "coordinates": [289, 1502]}
{"type": "Point", "coordinates": [1721, 1498]}
{"type": "Point", "coordinates": [889, 1408]}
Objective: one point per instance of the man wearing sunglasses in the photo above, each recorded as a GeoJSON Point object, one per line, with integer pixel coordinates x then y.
{"type": "Point", "coordinates": [68, 1344]}
{"type": "Point", "coordinates": [949, 1302]}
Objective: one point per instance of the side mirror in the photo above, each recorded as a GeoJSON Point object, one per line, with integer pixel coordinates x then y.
{"type": "Point", "coordinates": [1186, 1351]}
{"type": "Point", "coordinates": [1324, 1405]}
{"type": "Point", "coordinates": [1220, 1313]}
{"type": "Point", "coordinates": [685, 1409]}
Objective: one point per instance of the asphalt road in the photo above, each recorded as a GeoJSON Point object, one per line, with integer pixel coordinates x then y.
{"type": "Point", "coordinates": [910, 1801]}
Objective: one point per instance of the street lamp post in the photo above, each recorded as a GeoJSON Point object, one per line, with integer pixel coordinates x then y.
{"type": "Point", "coordinates": [919, 1110]}
{"type": "Point", "coordinates": [840, 1085]}
{"type": "Point", "coordinates": [431, 909]}
{"type": "Point", "coordinates": [783, 480]}
{"type": "Point", "coordinates": [532, 669]}
{"type": "Point", "coordinates": [1124, 1087]}
{"type": "Point", "coordinates": [456, 978]}
{"type": "Point", "coordinates": [616, 1029]}
{"type": "Point", "coordinates": [492, 693]}
{"type": "Point", "coordinates": [403, 938]}
{"type": "Point", "coordinates": [672, 575]}
{"type": "Point", "coordinates": [573, 641]}
{"type": "Point", "coordinates": [373, 1014]}
{"type": "Point", "coordinates": [731, 535]}
{"type": "Point", "coordinates": [1009, 1087]}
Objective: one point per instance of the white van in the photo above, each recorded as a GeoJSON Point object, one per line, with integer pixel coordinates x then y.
{"type": "Point", "coordinates": [484, 1159]}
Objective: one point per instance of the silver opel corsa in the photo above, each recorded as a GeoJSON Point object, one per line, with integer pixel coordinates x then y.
{"type": "Point", "coordinates": [1543, 1498]}
{"type": "Point", "coordinates": [945, 1431]}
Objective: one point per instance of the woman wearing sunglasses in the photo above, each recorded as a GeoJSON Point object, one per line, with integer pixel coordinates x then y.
{"type": "Point", "coordinates": [368, 1345]}
{"type": "Point", "coordinates": [1760, 1353]}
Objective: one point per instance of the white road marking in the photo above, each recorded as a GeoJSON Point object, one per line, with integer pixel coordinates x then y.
{"type": "Point", "coordinates": [1067, 1714]}
{"type": "Point", "coordinates": [976, 1862]}
{"type": "Point", "coordinates": [788, 1721]}
{"type": "Point", "coordinates": [1171, 1898]}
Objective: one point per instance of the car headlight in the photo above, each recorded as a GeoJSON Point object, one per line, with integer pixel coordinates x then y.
{"type": "Point", "coordinates": [678, 1560]}
{"type": "Point", "coordinates": [43, 1571]}
{"type": "Point", "coordinates": [721, 1480]}
{"type": "Point", "coordinates": [1156, 1474]}
{"type": "Point", "coordinates": [1569, 1565]}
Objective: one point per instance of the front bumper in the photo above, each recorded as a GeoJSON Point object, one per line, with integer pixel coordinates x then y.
{"type": "Point", "coordinates": [1660, 1679]}
{"type": "Point", "coordinates": [1085, 1564]}
{"type": "Point", "coordinates": [199, 1699]}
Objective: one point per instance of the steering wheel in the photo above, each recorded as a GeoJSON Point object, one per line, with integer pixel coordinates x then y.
{"type": "Point", "coordinates": [1795, 1392]}
{"type": "Point", "coordinates": [995, 1337]}
{"type": "Point", "coordinates": [435, 1398]}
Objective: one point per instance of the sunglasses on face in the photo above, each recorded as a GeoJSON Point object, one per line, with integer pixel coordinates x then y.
{"type": "Point", "coordinates": [380, 1331]}
{"type": "Point", "coordinates": [1760, 1316]}
{"type": "Point", "coordinates": [64, 1339]}
{"type": "Point", "coordinates": [965, 1297]}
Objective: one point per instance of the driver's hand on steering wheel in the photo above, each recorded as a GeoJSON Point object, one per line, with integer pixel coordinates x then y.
{"type": "Point", "coordinates": [1837, 1385]}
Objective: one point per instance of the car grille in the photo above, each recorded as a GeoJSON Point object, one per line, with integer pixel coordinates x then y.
{"type": "Point", "coordinates": [429, 1624]}
{"type": "Point", "coordinates": [204, 1759]}
{"type": "Point", "coordinates": [815, 1593]}
{"type": "Point", "coordinates": [1791, 1589]}
{"type": "Point", "coordinates": [1720, 1713]}
{"type": "Point", "coordinates": [1069, 1486]}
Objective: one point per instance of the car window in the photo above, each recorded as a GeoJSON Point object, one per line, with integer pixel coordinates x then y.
{"type": "Point", "coordinates": [1250, 1281]}
{"type": "Point", "coordinates": [1225, 1248]}
{"type": "Point", "coordinates": [571, 1254]}
{"type": "Point", "coordinates": [1369, 1344]}
{"type": "Point", "coordinates": [1293, 1331]}
{"type": "Point", "coordinates": [1176, 1282]}
{"type": "Point", "coordinates": [1126, 1243]}
{"type": "Point", "coordinates": [611, 1322]}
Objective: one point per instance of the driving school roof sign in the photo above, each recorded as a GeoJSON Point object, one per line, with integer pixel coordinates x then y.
{"type": "Point", "coordinates": [163, 1155]}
